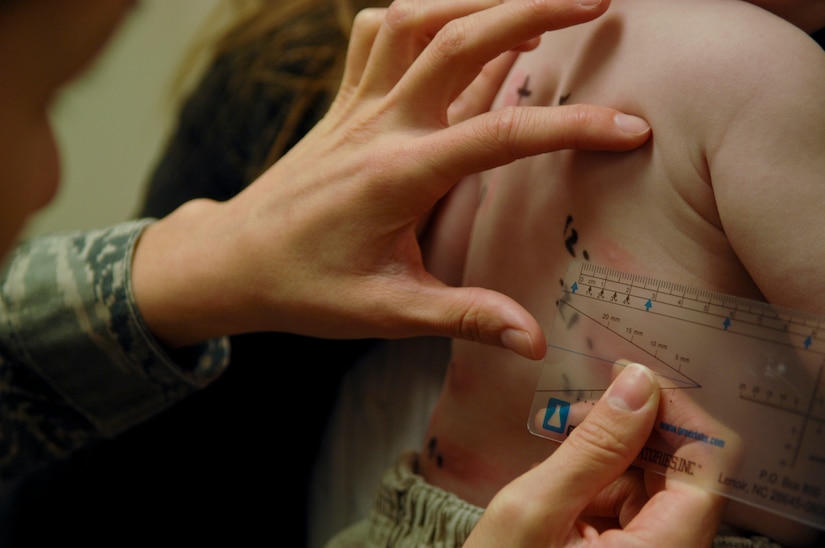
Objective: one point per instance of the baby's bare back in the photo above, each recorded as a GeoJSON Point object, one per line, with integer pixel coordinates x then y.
{"type": "Point", "coordinates": [652, 211]}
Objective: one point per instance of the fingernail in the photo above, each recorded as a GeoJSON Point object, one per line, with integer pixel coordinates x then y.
{"type": "Point", "coordinates": [632, 388]}
{"type": "Point", "coordinates": [518, 341]}
{"type": "Point", "coordinates": [631, 124]}
{"type": "Point", "coordinates": [589, 3]}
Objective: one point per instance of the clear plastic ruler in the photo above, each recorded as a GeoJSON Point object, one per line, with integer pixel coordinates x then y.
{"type": "Point", "coordinates": [743, 384]}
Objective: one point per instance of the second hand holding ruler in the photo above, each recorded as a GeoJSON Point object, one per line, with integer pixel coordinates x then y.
{"type": "Point", "coordinates": [743, 392]}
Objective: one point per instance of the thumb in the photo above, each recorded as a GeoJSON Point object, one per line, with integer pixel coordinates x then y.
{"type": "Point", "coordinates": [607, 441]}
{"type": "Point", "coordinates": [482, 315]}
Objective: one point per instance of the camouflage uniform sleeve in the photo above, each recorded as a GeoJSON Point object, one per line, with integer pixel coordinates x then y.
{"type": "Point", "coordinates": [77, 362]}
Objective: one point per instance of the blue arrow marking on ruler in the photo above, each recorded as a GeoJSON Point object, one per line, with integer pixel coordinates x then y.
{"type": "Point", "coordinates": [648, 304]}
{"type": "Point", "coordinates": [808, 342]}
{"type": "Point", "coordinates": [726, 323]}
{"type": "Point", "coordinates": [574, 287]}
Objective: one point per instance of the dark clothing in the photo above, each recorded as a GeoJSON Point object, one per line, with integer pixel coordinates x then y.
{"type": "Point", "coordinates": [211, 468]}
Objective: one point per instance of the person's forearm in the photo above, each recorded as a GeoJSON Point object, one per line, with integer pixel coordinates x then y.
{"type": "Point", "coordinates": [76, 360]}
{"type": "Point", "coordinates": [186, 282]}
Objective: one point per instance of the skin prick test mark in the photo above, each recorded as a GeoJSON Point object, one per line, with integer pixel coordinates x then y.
{"type": "Point", "coordinates": [572, 238]}
{"type": "Point", "coordinates": [432, 453]}
{"type": "Point", "coordinates": [524, 91]}
{"type": "Point", "coordinates": [574, 317]}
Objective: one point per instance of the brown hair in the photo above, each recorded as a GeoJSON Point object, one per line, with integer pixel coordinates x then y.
{"type": "Point", "coordinates": [280, 35]}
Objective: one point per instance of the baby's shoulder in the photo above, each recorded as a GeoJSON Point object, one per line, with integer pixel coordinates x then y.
{"type": "Point", "coordinates": [721, 41]}
{"type": "Point", "coordinates": [700, 64]}
{"type": "Point", "coordinates": [699, 52]}
{"type": "Point", "coordinates": [655, 46]}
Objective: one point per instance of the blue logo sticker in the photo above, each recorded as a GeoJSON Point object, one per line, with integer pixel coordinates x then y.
{"type": "Point", "coordinates": [555, 418]}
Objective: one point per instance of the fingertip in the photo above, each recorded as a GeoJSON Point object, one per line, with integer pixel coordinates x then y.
{"type": "Point", "coordinates": [633, 388]}
{"type": "Point", "coordinates": [483, 316]}
{"type": "Point", "coordinates": [362, 35]}
{"type": "Point", "coordinates": [517, 340]}
{"type": "Point", "coordinates": [593, 8]}
{"type": "Point", "coordinates": [523, 343]}
{"type": "Point", "coordinates": [631, 124]}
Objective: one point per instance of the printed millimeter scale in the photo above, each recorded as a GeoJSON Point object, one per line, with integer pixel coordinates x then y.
{"type": "Point", "coordinates": [743, 393]}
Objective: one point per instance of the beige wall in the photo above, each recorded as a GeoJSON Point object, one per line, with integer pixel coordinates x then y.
{"type": "Point", "coordinates": [112, 124]}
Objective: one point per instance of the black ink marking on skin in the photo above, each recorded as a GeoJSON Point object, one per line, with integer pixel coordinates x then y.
{"type": "Point", "coordinates": [523, 91]}
{"type": "Point", "coordinates": [572, 238]}
{"type": "Point", "coordinates": [563, 99]}
{"type": "Point", "coordinates": [570, 241]}
{"type": "Point", "coordinates": [589, 343]}
{"type": "Point", "coordinates": [561, 284]}
{"type": "Point", "coordinates": [563, 315]}
{"type": "Point", "coordinates": [432, 445]}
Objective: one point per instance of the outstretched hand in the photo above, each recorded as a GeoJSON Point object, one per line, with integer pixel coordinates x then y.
{"type": "Point", "coordinates": [553, 504]}
{"type": "Point", "coordinates": [324, 243]}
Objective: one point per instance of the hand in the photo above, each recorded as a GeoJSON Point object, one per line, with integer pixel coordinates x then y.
{"type": "Point", "coordinates": [324, 243]}
{"type": "Point", "coordinates": [547, 505]}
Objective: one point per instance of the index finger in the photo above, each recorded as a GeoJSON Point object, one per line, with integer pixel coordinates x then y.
{"type": "Point", "coordinates": [499, 137]}
{"type": "Point", "coordinates": [406, 30]}
{"type": "Point", "coordinates": [459, 51]}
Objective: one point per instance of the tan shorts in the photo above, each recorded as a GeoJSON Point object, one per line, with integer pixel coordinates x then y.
{"type": "Point", "coordinates": [409, 512]}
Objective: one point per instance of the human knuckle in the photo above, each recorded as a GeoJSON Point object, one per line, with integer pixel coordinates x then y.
{"type": "Point", "coordinates": [536, 9]}
{"type": "Point", "coordinates": [469, 323]}
{"type": "Point", "coordinates": [401, 15]}
{"type": "Point", "coordinates": [601, 440]}
{"type": "Point", "coordinates": [505, 126]}
{"type": "Point", "coordinates": [452, 38]}
{"type": "Point", "coordinates": [583, 114]}
{"type": "Point", "coordinates": [367, 18]}
{"type": "Point", "coordinates": [581, 119]}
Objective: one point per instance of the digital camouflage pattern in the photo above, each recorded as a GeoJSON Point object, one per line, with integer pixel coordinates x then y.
{"type": "Point", "coordinates": [77, 363]}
